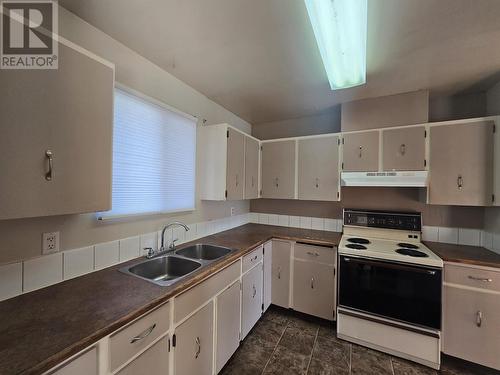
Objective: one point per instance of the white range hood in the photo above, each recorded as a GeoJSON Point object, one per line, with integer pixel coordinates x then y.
{"type": "Point", "coordinates": [388, 179]}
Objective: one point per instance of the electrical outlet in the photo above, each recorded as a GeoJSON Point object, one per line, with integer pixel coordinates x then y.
{"type": "Point", "coordinates": [232, 211]}
{"type": "Point", "coordinates": [50, 243]}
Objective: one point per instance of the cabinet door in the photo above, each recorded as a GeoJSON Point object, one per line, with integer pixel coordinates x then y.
{"type": "Point", "coordinates": [268, 261]}
{"type": "Point", "coordinates": [461, 164]}
{"type": "Point", "coordinates": [235, 178]}
{"type": "Point", "coordinates": [404, 149]}
{"type": "Point", "coordinates": [85, 364]}
{"type": "Point", "coordinates": [251, 299]}
{"type": "Point", "coordinates": [278, 170]}
{"type": "Point", "coordinates": [319, 169]}
{"type": "Point", "coordinates": [68, 111]}
{"type": "Point", "coordinates": [228, 324]}
{"type": "Point", "coordinates": [152, 361]}
{"type": "Point", "coordinates": [361, 151]}
{"type": "Point", "coordinates": [280, 285]}
{"type": "Point", "coordinates": [314, 288]}
{"type": "Point", "coordinates": [252, 150]}
{"type": "Point", "coordinates": [496, 163]}
{"type": "Point", "coordinates": [195, 344]}
{"type": "Point", "coordinates": [471, 325]}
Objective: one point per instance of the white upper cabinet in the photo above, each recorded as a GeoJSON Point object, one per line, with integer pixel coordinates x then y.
{"type": "Point", "coordinates": [360, 151]}
{"type": "Point", "coordinates": [318, 168]}
{"type": "Point", "coordinates": [278, 169]}
{"type": "Point", "coordinates": [496, 164]}
{"type": "Point", "coordinates": [403, 149]}
{"type": "Point", "coordinates": [56, 137]}
{"type": "Point", "coordinates": [461, 164]}
{"type": "Point", "coordinates": [227, 171]}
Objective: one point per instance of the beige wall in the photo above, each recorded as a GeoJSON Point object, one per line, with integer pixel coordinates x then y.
{"type": "Point", "coordinates": [327, 122]}
{"type": "Point", "coordinates": [403, 199]}
{"type": "Point", "coordinates": [402, 109]}
{"type": "Point", "coordinates": [493, 100]}
{"type": "Point", "coordinates": [21, 239]}
{"type": "Point", "coordinates": [457, 107]}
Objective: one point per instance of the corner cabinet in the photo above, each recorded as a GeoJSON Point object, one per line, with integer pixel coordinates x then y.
{"type": "Point", "coordinates": [318, 168]}
{"type": "Point", "coordinates": [278, 169]}
{"type": "Point", "coordinates": [360, 151]}
{"type": "Point", "coordinates": [56, 143]}
{"type": "Point", "coordinates": [229, 163]}
{"type": "Point", "coordinates": [461, 164]}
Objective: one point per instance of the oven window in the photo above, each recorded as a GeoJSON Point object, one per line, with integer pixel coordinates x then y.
{"type": "Point", "coordinates": [403, 292]}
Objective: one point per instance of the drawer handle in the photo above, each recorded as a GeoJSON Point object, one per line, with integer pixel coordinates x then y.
{"type": "Point", "coordinates": [402, 149]}
{"type": "Point", "coordinates": [317, 182]}
{"type": "Point", "coordinates": [277, 182]}
{"type": "Point", "coordinates": [483, 279]}
{"type": "Point", "coordinates": [143, 335]}
{"type": "Point", "coordinates": [50, 158]}
{"type": "Point", "coordinates": [460, 182]}
{"type": "Point", "coordinates": [254, 291]}
{"type": "Point", "coordinates": [312, 282]}
{"type": "Point", "coordinates": [479, 318]}
{"type": "Point", "coordinates": [315, 254]}
{"type": "Point", "coordinates": [279, 272]}
{"type": "Point", "coordinates": [254, 258]}
{"type": "Point", "coordinates": [360, 151]}
{"type": "Point", "coordinates": [198, 347]}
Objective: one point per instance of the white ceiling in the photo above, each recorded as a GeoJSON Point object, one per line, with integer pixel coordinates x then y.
{"type": "Point", "coordinates": [259, 59]}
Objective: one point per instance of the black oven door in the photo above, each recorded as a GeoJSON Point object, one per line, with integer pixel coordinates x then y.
{"type": "Point", "coordinates": [407, 293]}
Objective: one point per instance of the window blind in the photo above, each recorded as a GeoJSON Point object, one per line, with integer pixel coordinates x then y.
{"type": "Point", "coordinates": [154, 152]}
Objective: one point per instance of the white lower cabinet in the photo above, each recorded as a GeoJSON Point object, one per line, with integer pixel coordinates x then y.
{"type": "Point", "coordinates": [85, 364]}
{"type": "Point", "coordinates": [194, 343]}
{"type": "Point", "coordinates": [228, 324]}
{"type": "Point", "coordinates": [268, 261]}
{"type": "Point", "coordinates": [152, 361]}
{"type": "Point", "coordinates": [251, 299]}
{"type": "Point", "coordinates": [280, 273]}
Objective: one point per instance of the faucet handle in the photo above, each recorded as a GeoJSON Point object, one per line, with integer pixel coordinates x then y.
{"type": "Point", "coordinates": [150, 252]}
{"type": "Point", "coordinates": [172, 244]}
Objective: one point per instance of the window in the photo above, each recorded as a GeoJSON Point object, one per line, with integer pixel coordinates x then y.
{"type": "Point", "coordinates": [153, 158]}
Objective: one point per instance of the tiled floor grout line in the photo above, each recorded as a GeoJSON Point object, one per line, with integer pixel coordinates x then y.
{"type": "Point", "coordinates": [276, 346]}
{"type": "Point", "coordinates": [392, 367]}
{"type": "Point", "coordinates": [312, 350]}
{"type": "Point", "coordinates": [350, 358]}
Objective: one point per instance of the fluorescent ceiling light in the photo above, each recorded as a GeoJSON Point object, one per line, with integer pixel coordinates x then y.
{"type": "Point", "coordinates": [340, 30]}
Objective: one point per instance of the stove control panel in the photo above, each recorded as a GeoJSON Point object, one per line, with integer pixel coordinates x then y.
{"type": "Point", "coordinates": [384, 220]}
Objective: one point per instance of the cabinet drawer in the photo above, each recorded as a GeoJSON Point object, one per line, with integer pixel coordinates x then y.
{"type": "Point", "coordinates": [252, 259]}
{"type": "Point", "coordinates": [470, 325]}
{"type": "Point", "coordinates": [152, 361]}
{"type": "Point", "coordinates": [129, 341]}
{"type": "Point", "coordinates": [189, 301]}
{"type": "Point", "coordinates": [314, 253]}
{"type": "Point", "coordinates": [472, 276]}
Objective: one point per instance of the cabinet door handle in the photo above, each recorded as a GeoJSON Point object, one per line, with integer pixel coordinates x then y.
{"type": "Point", "coordinates": [50, 158]}
{"type": "Point", "coordinates": [198, 347]}
{"type": "Point", "coordinates": [279, 272]}
{"type": "Point", "coordinates": [277, 182]}
{"type": "Point", "coordinates": [486, 280]}
{"type": "Point", "coordinates": [360, 151]}
{"type": "Point", "coordinates": [143, 335]}
{"type": "Point", "coordinates": [315, 254]}
{"type": "Point", "coordinates": [317, 182]}
{"type": "Point", "coordinates": [479, 318]}
{"type": "Point", "coordinates": [254, 291]}
{"type": "Point", "coordinates": [402, 149]}
{"type": "Point", "coordinates": [237, 182]}
{"type": "Point", "coordinates": [312, 282]}
{"type": "Point", "coordinates": [252, 182]}
{"type": "Point", "coordinates": [460, 182]}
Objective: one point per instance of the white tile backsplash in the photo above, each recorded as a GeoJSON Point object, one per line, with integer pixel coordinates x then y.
{"type": "Point", "coordinates": [295, 221]}
{"type": "Point", "coordinates": [317, 223]}
{"type": "Point", "coordinates": [331, 225]}
{"type": "Point", "coordinates": [430, 233]}
{"type": "Point", "coordinates": [305, 222]}
{"type": "Point", "coordinates": [486, 239]}
{"type": "Point", "coordinates": [179, 233]}
{"type": "Point", "coordinates": [11, 280]}
{"type": "Point", "coordinates": [448, 235]}
{"type": "Point", "coordinates": [273, 219]}
{"type": "Point", "coordinates": [78, 262]}
{"type": "Point", "coordinates": [470, 237]}
{"type": "Point", "coordinates": [148, 240]}
{"type": "Point", "coordinates": [41, 272]}
{"type": "Point", "coordinates": [254, 217]}
{"type": "Point", "coordinates": [106, 254]}
{"type": "Point", "coordinates": [284, 220]}
{"type": "Point", "coordinates": [130, 248]}
{"type": "Point", "coordinates": [263, 219]}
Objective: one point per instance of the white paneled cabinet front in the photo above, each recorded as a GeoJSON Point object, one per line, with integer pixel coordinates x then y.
{"type": "Point", "coordinates": [84, 364]}
{"type": "Point", "coordinates": [318, 168]}
{"type": "Point", "coordinates": [252, 157]}
{"type": "Point", "coordinates": [496, 163]}
{"type": "Point", "coordinates": [280, 273]}
{"type": "Point", "coordinates": [56, 137]}
{"type": "Point", "coordinates": [268, 277]}
{"type": "Point", "coordinates": [228, 324]}
{"type": "Point", "coordinates": [194, 343]}
{"type": "Point", "coordinates": [278, 169]}
{"type": "Point", "coordinates": [251, 299]}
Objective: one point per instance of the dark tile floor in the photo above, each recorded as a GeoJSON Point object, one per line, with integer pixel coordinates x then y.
{"type": "Point", "coordinates": [283, 342]}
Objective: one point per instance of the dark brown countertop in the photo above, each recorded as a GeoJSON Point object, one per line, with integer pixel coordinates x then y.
{"type": "Point", "coordinates": [39, 330]}
{"type": "Point", "coordinates": [473, 255]}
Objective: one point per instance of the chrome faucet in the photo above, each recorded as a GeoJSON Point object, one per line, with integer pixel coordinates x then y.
{"type": "Point", "coordinates": [172, 245]}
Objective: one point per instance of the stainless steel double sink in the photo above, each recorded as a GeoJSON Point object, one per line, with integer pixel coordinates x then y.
{"type": "Point", "coordinates": [167, 269]}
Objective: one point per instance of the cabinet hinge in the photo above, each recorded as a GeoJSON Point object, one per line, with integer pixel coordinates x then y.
{"type": "Point", "coordinates": [225, 193]}
{"type": "Point", "coordinates": [494, 128]}
{"type": "Point", "coordinates": [227, 134]}
{"type": "Point", "coordinates": [343, 141]}
{"type": "Point", "coordinates": [425, 162]}
{"type": "Point", "coordinates": [338, 194]}
{"type": "Point", "coordinates": [262, 307]}
{"type": "Point", "coordinates": [169, 345]}
{"type": "Point", "coordinates": [342, 165]}
{"type": "Point", "coordinates": [425, 133]}
{"type": "Point", "coordinates": [338, 141]}
{"type": "Point", "coordinates": [261, 148]}
{"type": "Point", "coordinates": [493, 198]}
{"type": "Point", "coordinates": [174, 340]}
{"type": "Point", "coordinates": [261, 192]}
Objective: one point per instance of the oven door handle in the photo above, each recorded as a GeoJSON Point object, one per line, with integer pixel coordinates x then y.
{"type": "Point", "coordinates": [390, 265]}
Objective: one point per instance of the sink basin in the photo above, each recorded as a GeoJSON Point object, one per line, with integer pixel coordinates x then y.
{"type": "Point", "coordinates": [203, 252]}
{"type": "Point", "coordinates": [164, 270]}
